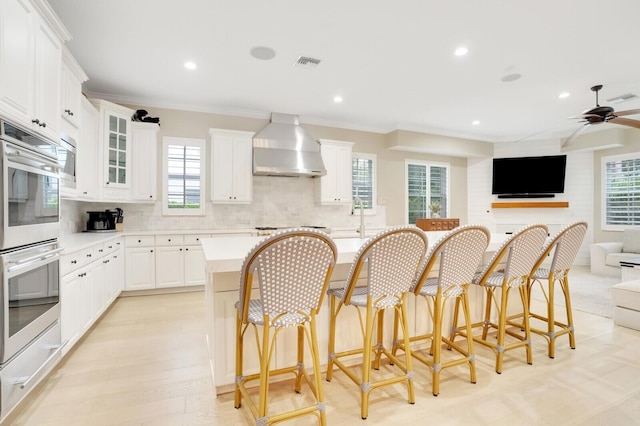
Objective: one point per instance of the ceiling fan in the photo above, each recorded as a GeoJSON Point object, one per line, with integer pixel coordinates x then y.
{"type": "Point", "coordinates": [602, 114]}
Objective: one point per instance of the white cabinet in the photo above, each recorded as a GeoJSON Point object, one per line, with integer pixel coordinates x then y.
{"type": "Point", "coordinates": [30, 64]}
{"type": "Point", "coordinates": [335, 186]}
{"type": "Point", "coordinates": [115, 152]}
{"type": "Point", "coordinates": [87, 287]}
{"type": "Point", "coordinates": [179, 260]}
{"type": "Point", "coordinates": [144, 155]}
{"type": "Point", "coordinates": [87, 169]}
{"type": "Point", "coordinates": [231, 157]}
{"type": "Point", "coordinates": [169, 261]}
{"type": "Point", "coordinates": [140, 262]}
{"type": "Point", "coordinates": [194, 265]}
{"type": "Point", "coordinates": [71, 89]}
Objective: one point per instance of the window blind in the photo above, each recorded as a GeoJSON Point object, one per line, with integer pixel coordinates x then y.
{"type": "Point", "coordinates": [622, 192]}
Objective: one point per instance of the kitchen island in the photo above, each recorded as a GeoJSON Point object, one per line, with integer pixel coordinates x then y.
{"type": "Point", "coordinates": [224, 257]}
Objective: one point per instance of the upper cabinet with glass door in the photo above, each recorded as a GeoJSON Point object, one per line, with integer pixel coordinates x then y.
{"type": "Point", "coordinates": [115, 138]}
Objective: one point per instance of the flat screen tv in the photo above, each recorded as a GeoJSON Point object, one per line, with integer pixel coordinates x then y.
{"type": "Point", "coordinates": [529, 177]}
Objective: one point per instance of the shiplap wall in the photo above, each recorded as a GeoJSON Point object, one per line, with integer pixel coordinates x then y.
{"type": "Point", "coordinates": [579, 189]}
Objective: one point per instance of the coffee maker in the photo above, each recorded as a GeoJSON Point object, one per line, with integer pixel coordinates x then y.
{"type": "Point", "coordinates": [104, 221]}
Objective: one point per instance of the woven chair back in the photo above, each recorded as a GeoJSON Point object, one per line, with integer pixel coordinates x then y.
{"type": "Point", "coordinates": [293, 268]}
{"type": "Point", "coordinates": [391, 259]}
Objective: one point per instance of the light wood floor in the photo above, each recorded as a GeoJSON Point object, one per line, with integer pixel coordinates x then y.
{"type": "Point", "coordinates": [145, 364]}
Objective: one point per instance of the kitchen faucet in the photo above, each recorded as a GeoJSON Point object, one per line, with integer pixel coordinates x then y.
{"type": "Point", "coordinates": [361, 204]}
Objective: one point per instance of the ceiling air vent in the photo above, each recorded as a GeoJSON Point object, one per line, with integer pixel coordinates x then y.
{"type": "Point", "coordinates": [622, 98]}
{"type": "Point", "coordinates": [307, 62]}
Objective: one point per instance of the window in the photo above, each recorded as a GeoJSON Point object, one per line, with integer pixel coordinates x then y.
{"type": "Point", "coordinates": [363, 168]}
{"type": "Point", "coordinates": [427, 185]}
{"type": "Point", "coordinates": [621, 188]}
{"type": "Point", "coordinates": [183, 176]}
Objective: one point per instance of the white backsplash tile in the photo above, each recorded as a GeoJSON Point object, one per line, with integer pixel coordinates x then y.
{"type": "Point", "coordinates": [277, 201]}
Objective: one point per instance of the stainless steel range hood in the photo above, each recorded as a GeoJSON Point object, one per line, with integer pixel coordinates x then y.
{"type": "Point", "coordinates": [283, 148]}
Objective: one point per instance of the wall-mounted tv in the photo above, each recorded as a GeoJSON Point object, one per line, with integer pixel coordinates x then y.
{"type": "Point", "coordinates": [529, 177]}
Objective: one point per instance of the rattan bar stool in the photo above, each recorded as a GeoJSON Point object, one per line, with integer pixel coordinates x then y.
{"type": "Point", "coordinates": [509, 268]}
{"type": "Point", "coordinates": [390, 261]}
{"type": "Point", "coordinates": [456, 256]}
{"type": "Point", "coordinates": [564, 246]}
{"type": "Point", "coordinates": [293, 269]}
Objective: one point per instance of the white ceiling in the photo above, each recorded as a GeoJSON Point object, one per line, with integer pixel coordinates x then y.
{"type": "Point", "coordinates": [392, 61]}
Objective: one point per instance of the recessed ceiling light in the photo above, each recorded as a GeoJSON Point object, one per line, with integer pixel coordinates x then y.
{"type": "Point", "coordinates": [461, 51]}
{"type": "Point", "coordinates": [337, 99]}
{"type": "Point", "coordinates": [475, 122]}
{"type": "Point", "coordinates": [190, 65]}
{"type": "Point", "coordinates": [263, 53]}
{"type": "Point", "coordinates": [563, 95]}
{"type": "Point", "coordinates": [511, 77]}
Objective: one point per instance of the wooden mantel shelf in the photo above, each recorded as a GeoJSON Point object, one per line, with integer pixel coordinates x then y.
{"type": "Point", "coordinates": [531, 205]}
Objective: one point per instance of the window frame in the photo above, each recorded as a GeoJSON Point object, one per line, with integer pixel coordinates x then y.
{"type": "Point", "coordinates": [428, 165]}
{"type": "Point", "coordinates": [374, 177]}
{"type": "Point", "coordinates": [200, 143]}
{"type": "Point", "coordinates": [604, 194]}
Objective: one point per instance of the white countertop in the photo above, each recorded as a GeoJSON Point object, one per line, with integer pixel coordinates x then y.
{"type": "Point", "coordinates": [226, 254]}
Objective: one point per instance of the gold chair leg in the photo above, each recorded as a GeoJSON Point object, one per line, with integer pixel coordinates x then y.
{"type": "Point", "coordinates": [394, 348]}
{"type": "Point", "coordinates": [467, 316]}
{"type": "Point", "coordinates": [407, 351]}
{"type": "Point", "coordinates": [454, 326]}
{"type": "Point", "coordinates": [332, 336]}
{"type": "Point", "coordinates": [264, 372]}
{"type": "Point", "coordinates": [551, 322]}
{"type": "Point", "coordinates": [299, 373]}
{"type": "Point", "coordinates": [365, 386]}
{"type": "Point", "coordinates": [567, 303]}
{"type": "Point", "coordinates": [436, 343]}
{"type": "Point", "coordinates": [316, 371]}
{"type": "Point", "coordinates": [379, 339]}
{"type": "Point", "coordinates": [527, 327]}
{"type": "Point", "coordinates": [502, 325]}
{"type": "Point", "coordinates": [237, 400]}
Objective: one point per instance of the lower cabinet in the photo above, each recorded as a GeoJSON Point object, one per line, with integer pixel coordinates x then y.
{"type": "Point", "coordinates": [91, 279]}
{"type": "Point", "coordinates": [140, 263]}
{"type": "Point", "coordinates": [164, 261]}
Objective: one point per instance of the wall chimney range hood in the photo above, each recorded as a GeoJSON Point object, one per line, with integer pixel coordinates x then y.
{"type": "Point", "coordinates": [283, 148]}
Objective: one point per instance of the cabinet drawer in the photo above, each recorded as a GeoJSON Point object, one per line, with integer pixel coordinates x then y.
{"type": "Point", "coordinates": [194, 239]}
{"type": "Point", "coordinates": [112, 245]}
{"type": "Point", "coordinates": [140, 241]}
{"type": "Point", "coordinates": [169, 240]}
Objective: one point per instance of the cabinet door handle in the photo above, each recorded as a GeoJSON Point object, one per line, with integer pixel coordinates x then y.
{"type": "Point", "coordinates": [151, 251]}
{"type": "Point", "coordinates": [187, 249]}
{"type": "Point", "coordinates": [42, 124]}
{"type": "Point", "coordinates": [35, 121]}
{"type": "Point", "coordinates": [74, 262]}
{"type": "Point", "coordinates": [89, 255]}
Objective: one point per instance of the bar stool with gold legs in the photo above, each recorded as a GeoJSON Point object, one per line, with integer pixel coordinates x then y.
{"type": "Point", "coordinates": [456, 257]}
{"type": "Point", "coordinates": [293, 269]}
{"type": "Point", "coordinates": [387, 263]}
{"type": "Point", "coordinates": [564, 247]}
{"type": "Point", "coordinates": [508, 269]}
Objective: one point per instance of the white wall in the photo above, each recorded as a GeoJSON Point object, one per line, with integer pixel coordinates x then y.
{"type": "Point", "coordinates": [579, 190]}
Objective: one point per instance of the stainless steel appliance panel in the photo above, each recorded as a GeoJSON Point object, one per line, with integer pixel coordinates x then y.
{"type": "Point", "coordinates": [30, 196]}
{"type": "Point", "coordinates": [30, 295]}
{"type": "Point", "coordinates": [67, 161]}
{"type": "Point", "coordinates": [18, 377]}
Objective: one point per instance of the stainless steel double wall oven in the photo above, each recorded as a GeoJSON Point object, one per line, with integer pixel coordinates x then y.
{"type": "Point", "coordinates": [29, 260]}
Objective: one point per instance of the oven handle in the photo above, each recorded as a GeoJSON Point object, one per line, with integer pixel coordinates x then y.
{"type": "Point", "coordinates": [16, 154]}
{"type": "Point", "coordinates": [24, 381]}
{"type": "Point", "coordinates": [38, 257]}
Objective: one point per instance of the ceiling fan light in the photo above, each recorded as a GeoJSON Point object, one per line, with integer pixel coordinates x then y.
{"type": "Point", "coordinates": [564, 95]}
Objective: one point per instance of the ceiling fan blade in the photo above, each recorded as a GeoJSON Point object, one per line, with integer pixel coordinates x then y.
{"type": "Point", "coordinates": [569, 141]}
{"type": "Point", "coordinates": [585, 116]}
{"type": "Point", "coordinates": [625, 122]}
{"type": "Point", "coordinates": [627, 112]}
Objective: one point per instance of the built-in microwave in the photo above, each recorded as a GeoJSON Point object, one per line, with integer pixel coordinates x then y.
{"type": "Point", "coordinates": [67, 161]}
